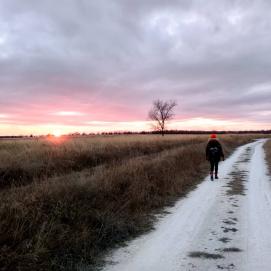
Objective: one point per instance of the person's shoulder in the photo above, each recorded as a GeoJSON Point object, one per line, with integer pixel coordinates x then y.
{"type": "Point", "coordinates": [218, 142]}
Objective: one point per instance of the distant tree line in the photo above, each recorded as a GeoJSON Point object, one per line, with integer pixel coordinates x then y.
{"type": "Point", "coordinates": [188, 132]}
{"type": "Point", "coordinates": [169, 132]}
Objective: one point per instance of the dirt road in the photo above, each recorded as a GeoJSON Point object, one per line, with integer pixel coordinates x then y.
{"type": "Point", "coordinates": [222, 225]}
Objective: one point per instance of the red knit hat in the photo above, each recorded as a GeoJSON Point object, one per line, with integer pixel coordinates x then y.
{"type": "Point", "coordinates": [213, 136]}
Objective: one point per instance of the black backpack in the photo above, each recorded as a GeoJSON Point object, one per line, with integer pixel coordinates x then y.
{"type": "Point", "coordinates": [214, 152]}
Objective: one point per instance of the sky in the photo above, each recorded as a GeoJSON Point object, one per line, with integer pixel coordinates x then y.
{"type": "Point", "coordinates": [90, 66]}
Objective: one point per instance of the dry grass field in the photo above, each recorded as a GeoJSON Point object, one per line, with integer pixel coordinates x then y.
{"type": "Point", "coordinates": [268, 154]}
{"type": "Point", "coordinates": [64, 202]}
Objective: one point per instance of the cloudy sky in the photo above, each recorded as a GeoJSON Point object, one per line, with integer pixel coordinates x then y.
{"type": "Point", "coordinates": [83, 65]}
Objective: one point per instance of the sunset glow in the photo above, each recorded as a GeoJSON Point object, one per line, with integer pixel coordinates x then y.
{"type": "Point", "coordinates": [57, 134]}
{"type": "Point", "coordinates": [68, 113]}
{"type": "Point", "coordinates": [137, 126]}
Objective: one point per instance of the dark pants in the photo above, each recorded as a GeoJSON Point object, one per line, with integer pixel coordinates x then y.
{"type": "Point", "coordinates": [214, 166]}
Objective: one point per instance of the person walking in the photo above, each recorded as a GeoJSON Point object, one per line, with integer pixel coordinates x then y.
{"type": "Point", "coordinates": [214, 153]}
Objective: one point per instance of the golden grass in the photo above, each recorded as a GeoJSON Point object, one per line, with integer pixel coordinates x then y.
{"type": "Point", "coordinates": [91, 195]}
{"type": "Point", "coordinates": [268, 154]}
{"type": "Point", "coordinates": [23, 161]}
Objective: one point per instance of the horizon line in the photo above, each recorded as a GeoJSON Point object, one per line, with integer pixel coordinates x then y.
{"type": "Point", "coordinates": [171, 131]}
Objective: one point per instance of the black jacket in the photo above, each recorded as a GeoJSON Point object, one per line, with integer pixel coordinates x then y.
{"type": "Point", "coordinates": [214, 150]}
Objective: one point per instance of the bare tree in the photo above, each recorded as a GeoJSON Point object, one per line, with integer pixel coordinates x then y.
{"type": "Point", "coordinates": [161, 112]}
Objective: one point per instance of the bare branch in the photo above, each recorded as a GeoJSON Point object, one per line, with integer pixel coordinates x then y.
{"type": "Point", "coordinates": [161, 112]}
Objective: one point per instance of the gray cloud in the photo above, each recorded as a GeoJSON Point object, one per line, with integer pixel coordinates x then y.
{"type": "Point", "coordinates": [110, 59]}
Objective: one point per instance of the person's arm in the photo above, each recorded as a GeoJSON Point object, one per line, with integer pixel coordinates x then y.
{"type": "Point", "coordinates": [221, 151]}
{"type": "Point", "coordinates": [207, 151]}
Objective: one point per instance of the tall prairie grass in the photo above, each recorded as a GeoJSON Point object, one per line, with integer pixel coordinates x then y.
{"type": "Point", "coordinates": [268, 154]}
{"type": "Point", "coordinates": [23, 161]}
{"type": "Point", "coordinates": [65, 202]}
